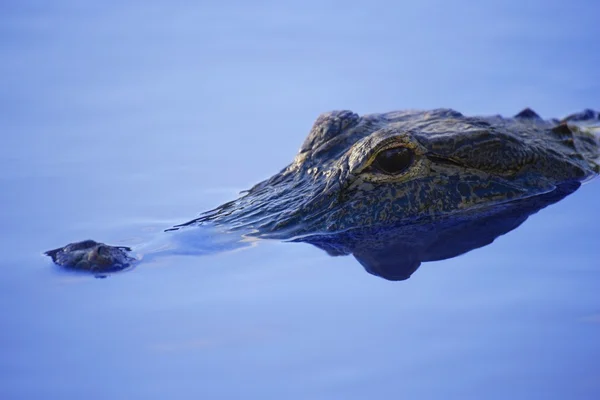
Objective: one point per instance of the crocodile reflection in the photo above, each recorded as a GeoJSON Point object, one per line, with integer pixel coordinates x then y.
{"type": "Point", "coordinates": [394, 253]}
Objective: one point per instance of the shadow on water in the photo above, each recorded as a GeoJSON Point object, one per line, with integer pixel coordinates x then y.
{"type": "Point", "coordinates": [393, 253]}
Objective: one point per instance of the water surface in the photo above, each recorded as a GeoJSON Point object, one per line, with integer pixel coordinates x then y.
{"type": "Point", "coordinates": [120, 120]}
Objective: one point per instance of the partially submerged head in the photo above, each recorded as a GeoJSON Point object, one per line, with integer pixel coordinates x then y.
{"type": "Point", "coordinates": [400, 188]}
{"type": "Point", "coordinates": [410, 166]}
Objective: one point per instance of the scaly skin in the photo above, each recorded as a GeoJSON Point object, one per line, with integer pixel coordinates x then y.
{"type": "Point", "coordinates": [461, 163]}
{"type": "Point", "coordinates": [453, 166]}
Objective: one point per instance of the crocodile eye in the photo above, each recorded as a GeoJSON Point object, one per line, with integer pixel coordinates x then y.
{"type": "Point", "coordinates": [393, 161]}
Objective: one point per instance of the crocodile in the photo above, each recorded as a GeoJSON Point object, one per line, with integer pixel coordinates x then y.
{"type": "Point", "coordinates": [400, 188]}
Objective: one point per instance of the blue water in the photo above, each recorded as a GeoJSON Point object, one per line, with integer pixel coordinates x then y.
{"type": "Point", "coordinates": [123, 118]}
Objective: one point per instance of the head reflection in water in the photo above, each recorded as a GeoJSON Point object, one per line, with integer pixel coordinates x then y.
{"type": "Point", "coordinates": [401, 188]}
{"type": "Point", "coordinates": [395, 252]}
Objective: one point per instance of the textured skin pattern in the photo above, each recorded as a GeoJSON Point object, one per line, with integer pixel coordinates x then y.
{"type": "Point", "coordinates": [462, 164]}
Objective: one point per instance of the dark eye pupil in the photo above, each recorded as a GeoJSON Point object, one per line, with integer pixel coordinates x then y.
{"type": "Point", "coordinates": [394, 161]}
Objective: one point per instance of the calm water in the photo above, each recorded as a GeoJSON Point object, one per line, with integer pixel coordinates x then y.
{"type": "Point", "coordinates": [121, 119]}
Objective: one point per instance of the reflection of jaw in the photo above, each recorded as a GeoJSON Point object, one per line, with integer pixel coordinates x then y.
{"type": "Point", "coordinates": [395, 252]}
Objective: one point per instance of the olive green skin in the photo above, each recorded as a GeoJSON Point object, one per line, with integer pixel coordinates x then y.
{"type": "Point", "coordinates": [461, 164]}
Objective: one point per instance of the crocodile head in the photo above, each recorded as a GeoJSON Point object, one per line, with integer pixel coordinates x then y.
{"type": "Point", "coordinates": [401, 188]}
{"type": "Point", "coordinates": [408, 167]}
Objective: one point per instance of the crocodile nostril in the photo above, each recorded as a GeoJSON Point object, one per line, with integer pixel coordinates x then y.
{"type": "Point", "coordinates": [102, 251]}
